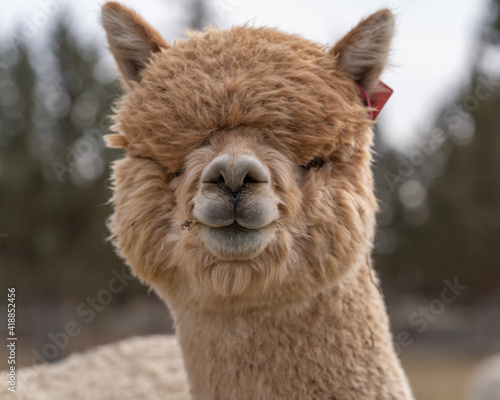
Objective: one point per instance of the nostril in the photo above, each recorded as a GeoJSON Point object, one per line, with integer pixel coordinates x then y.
{"type": "Point", "coordinates": [249, 179]}
{"type": "Point", "coordinates": [219, 180]}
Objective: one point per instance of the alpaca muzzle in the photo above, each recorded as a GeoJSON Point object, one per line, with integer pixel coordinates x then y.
{"type": "Point", "coordinates": [235, 205]}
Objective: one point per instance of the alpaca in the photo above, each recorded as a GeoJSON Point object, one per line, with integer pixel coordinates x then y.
{"type": "Point", "coordinates": [245, 200]}
{"type": "Point", "coordinates": [484, 383]}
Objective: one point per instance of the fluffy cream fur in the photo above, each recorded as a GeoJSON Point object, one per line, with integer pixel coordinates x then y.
{"type": "Point", "coordinates": [301, 318]}
{"type": "Point", "coordinates": [132, 369]}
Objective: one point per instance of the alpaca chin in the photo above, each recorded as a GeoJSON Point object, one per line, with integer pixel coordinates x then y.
{"type": "Point", "coordinates": [237, 279]}
{"type": "Point", "coordinates": [219, 279]}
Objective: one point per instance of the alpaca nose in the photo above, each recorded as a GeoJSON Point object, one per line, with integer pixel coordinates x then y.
{"type": "Point", "coordinates": [234, 172]}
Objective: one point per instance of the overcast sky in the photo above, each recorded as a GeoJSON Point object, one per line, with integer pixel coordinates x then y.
{"type": "Point", "coordinates": [434, 47]}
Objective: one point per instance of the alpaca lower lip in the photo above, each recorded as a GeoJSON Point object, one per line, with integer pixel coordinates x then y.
{"type": "Point", "coordinates": [234, 228]}
{"type": "Point", "coordinates": [235, 242]}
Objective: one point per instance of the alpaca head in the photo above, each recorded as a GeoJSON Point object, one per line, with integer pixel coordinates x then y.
{"type": "Point", "coordinates": [246, 180]}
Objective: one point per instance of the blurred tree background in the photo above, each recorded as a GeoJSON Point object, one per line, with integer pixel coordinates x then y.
{"type": "Point", "coordinates": [54, 169]}
{"type": "Point", "coordinates": [440, 200]}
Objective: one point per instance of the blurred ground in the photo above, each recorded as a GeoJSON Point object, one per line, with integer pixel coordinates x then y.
{"type": "Point", "coordinates": [438, 374]}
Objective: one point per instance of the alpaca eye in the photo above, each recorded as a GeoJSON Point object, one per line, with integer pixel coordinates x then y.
{"type": "Point", "coordinates": [178, 173]}
{"type": "Point", "coordinates": [314, 163]}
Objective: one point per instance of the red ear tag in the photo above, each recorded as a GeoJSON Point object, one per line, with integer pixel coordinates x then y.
{"type": "Point", "coordinates": [379, 98]}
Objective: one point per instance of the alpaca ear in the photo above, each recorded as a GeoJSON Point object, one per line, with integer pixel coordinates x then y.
{"type": "Point", "coordinates": [363, 52]}
{"type": "Point", "coordinates": [131, 40]}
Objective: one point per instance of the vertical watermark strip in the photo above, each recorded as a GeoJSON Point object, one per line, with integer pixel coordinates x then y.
{"type": "Point", "coordinates": [11, 339]}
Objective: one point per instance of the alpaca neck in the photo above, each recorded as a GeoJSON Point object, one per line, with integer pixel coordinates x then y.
{"type": "Point", "coordinates": [337, 346]}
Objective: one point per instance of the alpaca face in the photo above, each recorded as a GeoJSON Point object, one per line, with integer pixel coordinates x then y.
{"type": "Point", "coordinates": [246, 181]}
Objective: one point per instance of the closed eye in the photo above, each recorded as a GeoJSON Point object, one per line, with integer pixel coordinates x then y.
{"type": "Point", "coordinates": [316, 162]}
